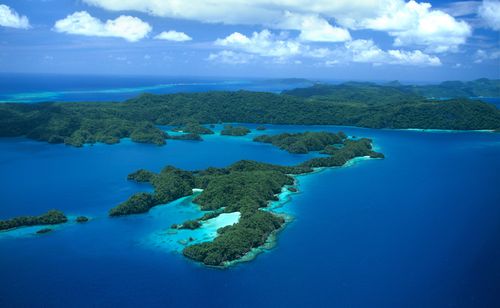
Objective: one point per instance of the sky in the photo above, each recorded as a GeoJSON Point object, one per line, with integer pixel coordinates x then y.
{"type": "Point", "coordinates": [323, 39]}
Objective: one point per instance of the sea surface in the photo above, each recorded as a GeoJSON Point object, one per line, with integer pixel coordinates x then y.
{"type": "Point", "coordinates": [420, 228]}
{"type": "Point", "coordinates": [33, 88]}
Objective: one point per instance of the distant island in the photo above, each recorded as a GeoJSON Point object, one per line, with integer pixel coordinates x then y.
{"type": "Point", "coordinates": [354, 104]}
{"type": "Point", "coordinates": [245, 187]}
{"type": "Point", "coordinates": [52, 217]}
{"type": "Point", "coordinates": [370, 92]}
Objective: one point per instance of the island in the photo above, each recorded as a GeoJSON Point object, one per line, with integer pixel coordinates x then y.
{"type": "Point", "coordinates": [246, 187]}
{"type": "Point", "coordinates": [353, 104]}
{"type": "Point", "coordinates": [193, 128]}
{"type": "Point", "coordinates": [302, 143]}
{"type": "Point", "coordinates": [230, 130]}
{"type": "Point", "coordinates": [82, 219]}
{"type": "Point", "coordinates": [52, 217]}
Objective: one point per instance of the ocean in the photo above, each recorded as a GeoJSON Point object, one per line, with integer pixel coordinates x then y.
{"type": "Point", "coordinates": [32, 88]}
{"type": "Point", "coordinates": [419, 228]}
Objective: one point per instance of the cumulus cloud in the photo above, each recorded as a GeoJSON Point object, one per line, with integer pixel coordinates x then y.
{"type": "Point", "coordinates": [129, 28]}
{"type": "Point", "coordinates": [173, 36]}
{"type": "Point", "coordinates": [415, 23]}
{"type": "Point", "coordinates": [365, 51]}
{"type": "Point", "coordinates": [281, 50]}
{"type": "Point", "coordinates": [489, 11]}
{"type": "Point", "coordinates": [10, 18]}
{"type": "Point", "coordinates": [261, 43]}
{"type": "Point", "coordinates": [410, 23]}
{"type": "Point", "coordinates": [313, 28]}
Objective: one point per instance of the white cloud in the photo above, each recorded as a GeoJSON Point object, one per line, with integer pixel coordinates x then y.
{"type": "Point", "coordinates": [129, 28]}
{"type": "Point", "coordinates": [262, 43]}
{"type": "Point", "coordinates": [489, 11]}
{"type": "Point", "coordinates": [410, 23]}
{"type": "Point", "coordinates": [415, 23]}
{"type": "Point", "coordinates": [173, 36]}
{"type": "Point", "coordinates": [10, 18]}
{"type": "Point", "coordinates": [313, 28]}
{"type": "Point", "coordinates": [365, 51]}
{"type": "Point", "coordinates": [230, 57]}
{"type": "Point", "coordinates": [415, 57]}
{"type": "Point", "coordinates": [482, 55]}
{"type": "Point", "coordinates": [265, 44]}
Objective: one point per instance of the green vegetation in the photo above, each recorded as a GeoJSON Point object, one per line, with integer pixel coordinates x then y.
{"type": "Point", "coordinates": [302, 143]}
{"type": "Point", "coordinates": [370, 93]}
{"type": "Point", "coordinates": [354, 104]}
{"type": "Point", "coordinates": [245, 187]}
{"type": "Point", "coordinates": [193, 128]}
{"type": "Point", "coordinates": [477, 88]}
{"type": "Point", "coordinates": [170, 184]}
{"type": "Point", "coordinates": [148, 133]}
{"type": "Point", "coordinates": [52, 217]}
{"type": "Point", "coordinates": [190, 224]}
{"type": "Point", "coordinates": [230, 130]}
{"type": "Point", "coordinates": [81, 219]}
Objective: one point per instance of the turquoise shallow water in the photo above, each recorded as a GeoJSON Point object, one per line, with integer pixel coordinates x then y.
{"type": "Point", "coordinates": [419, 228]}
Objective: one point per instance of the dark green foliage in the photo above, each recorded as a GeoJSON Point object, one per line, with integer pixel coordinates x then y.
{"type": "Point", "coordinates": [245, 187]}
{"type": "Point", "coordinates": [52, 217]}
{"type": "Point", "coordinates": [250, 165]}
{"type": "Point", "coordinates": [141, 176]}
{"type": "Point", "coordinates": [350, 150]}
{"type": "Point", "coordinates": [138, 203]}
{"type": "Point", "coordinates": [148, 133]}
{"type": "Point", "coordinates": [43, 231]}
{"type": "Point", "coordinates": [170, 184]}
{"type": "Point", "coordinates": [370, 93]}
{"type": "Point", "coordinates": [81, 219]}
{"type": "Point", "coordinates": [354, 104]}
{"type": "Point", "coordinates": [301, 143]}
{"type": "Point", "coordinates": [241, 191]}
{"type": "Point", "coordinates": [235, 241]}
{"type": "Point", "coordinates": [194, 128]}
{"type": "Point", "coordinates": [477, 88]}
{"type": "Point", "coordinates": [191, 225]}
{"type": "Point", "coordinates": [230, 130]}
{"type": "Point", "coordinates": [210, 215]}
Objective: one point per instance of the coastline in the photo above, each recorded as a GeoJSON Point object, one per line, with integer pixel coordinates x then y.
{"type": "Point", "coordinates": [285, 197]}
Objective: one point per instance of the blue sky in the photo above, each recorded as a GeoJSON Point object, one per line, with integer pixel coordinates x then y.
{"type": "Point", "coordinates": [362, 40]}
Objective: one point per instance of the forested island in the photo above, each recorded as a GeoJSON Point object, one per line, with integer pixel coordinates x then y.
{"type": "Point", "coordinates": [52, 217]}
{"type": "Point", "coordinates": [230, 130]}
{"type": "Point", "coordinates": [245, 187]}
{"type": "Point", "coordinates": [354, 104]}
{"type": "Point", "coordinates": [370, 92]}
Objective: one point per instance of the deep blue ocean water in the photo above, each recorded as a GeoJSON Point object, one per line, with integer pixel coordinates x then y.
{"type": "Point", "coordinates": [420, 228]}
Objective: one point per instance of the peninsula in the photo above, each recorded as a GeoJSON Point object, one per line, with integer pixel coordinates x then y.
{"type": "Point", "coordinates": [245, 187]}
